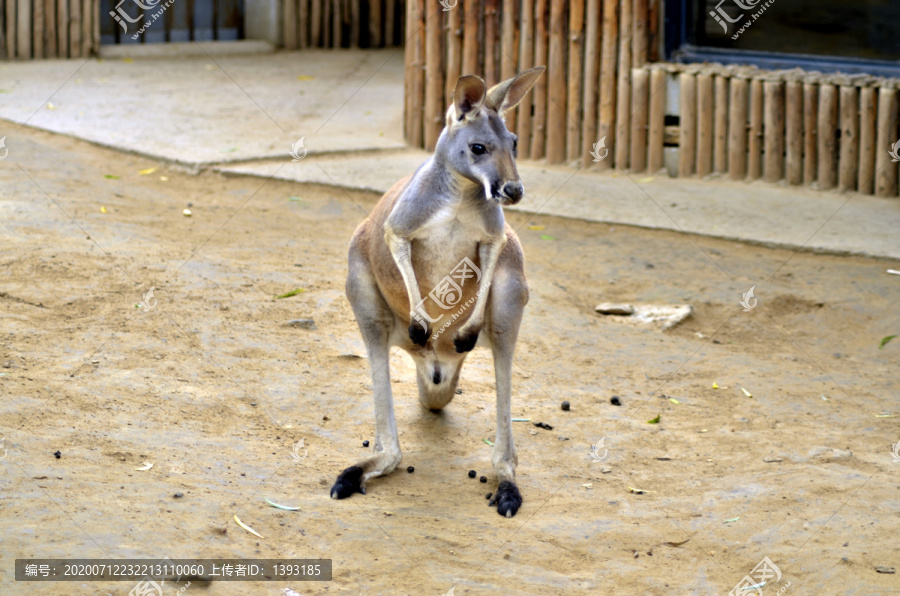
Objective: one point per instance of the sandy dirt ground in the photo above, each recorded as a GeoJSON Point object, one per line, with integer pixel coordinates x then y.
{"type": "Point", "coordinates": [214, 389]}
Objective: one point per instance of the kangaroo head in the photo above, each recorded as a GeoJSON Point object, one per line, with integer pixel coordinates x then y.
{"type": "Point", "coordinates": [476, 144]}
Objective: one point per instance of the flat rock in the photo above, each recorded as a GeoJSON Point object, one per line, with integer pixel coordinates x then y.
{"type": "Point", "coordinates": [301, 324]}
{"type": "Point", "coordinates": [611, 308]}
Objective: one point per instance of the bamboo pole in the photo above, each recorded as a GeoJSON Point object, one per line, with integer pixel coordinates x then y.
{"type": "Point", "coordinates": [849, 150]}
{"type": "Point", "coordinates": [470, 39]}
{"type": "Point", "coordinates": [705, 122]}
{"type": "Point", "coordinates": [434, 82]}
{"type": "Point", "coordinates": [508, 49]}
{"type": "Point", "coordinates": [607, 116]}
{"type": "Point", "coordinates": [794, 131]}
{"type": "Point", "coordinates": [3, 47]}
{"type": "Point", "coordinates": [639, 32]}
{"type": "Point", "coordinates": [37, 21]}
{"type": "Point", "coordinates": [375, 27]}
{"type": "Point", "coordinates": [303, 24]}
{"type": "Point", "coordinates": [326, 22]}
{"type": "Point", "coordinates": [810, 132]}
{"type": "Point", "coordinates": [95, 32]}
{"type": "Point", "coordinates": [653, 30]}
{"type": "Point", "coordinates": [10, 28]}
{"type": "Point", "coordinates": [623, 100]}
{"type": "Point", "coordinates": [491, 37]}
{"type": "Point", "coordinates": [688, 126]}
{"type": "Point", "coordinates": [356, 25]}
{"type": "Point", "coordinates": [828, 128]}
{"type": "Point", "coordinates": [390, 15]}
{"type": "Point", "coordinates": [556, 96]}
{"type": "Point", "coordinates": [640, 110]}
{"type": "Point", "coordinates": [867, 117]}
{"type": "Point", "coordinates": [526, 61]}
{"type": "Point", "coordinates": [885, 169]}
{"type": "Point", "coordinates": [338, 16]}
{"type": "Point", "coordinates": [774, 130]}
{"type": "Point", "coordinates": [419, 74]}
{"type": "Point", "coordinates": [62, 27]}
{"type": "Point", "coordinates": [720, 128]}
{"type": "Point", "coordinates": [315, 23]}
{"type": "Point", "coordinates": [574, 118]}
{"type": "Point", "coordinates": [23, 29]}
{"type": "Point", "coordinates": [591, 79]}
{"type": "Point", "coordinates": [87, 26]}
{"type": "Point", "coordinates": [454, 50]}
{"type": "Point", "coordinates": [75, 28]}
{"type": "Point", "coordinates": [290, 24]}
{"type": "Point", "coordinates": [49, 28]}
{"type": "Point", "coordinates": [539, 128]}
{"type": "Point", "coordinates": [737, 130]}
{"type": "Point", "coordinates": [657, 124]}
{"type": "Point", "coordinates": [755, 140]}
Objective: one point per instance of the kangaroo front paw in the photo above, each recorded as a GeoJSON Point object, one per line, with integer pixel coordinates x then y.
{"type": "Point", "coordinates": [348, 482]}
{"type": "Point", "coordinates": [465, 342]}
{"type": "Point", "coordinates": [508, 499]}
{"type": "Point", "coordinates": [419, 334]}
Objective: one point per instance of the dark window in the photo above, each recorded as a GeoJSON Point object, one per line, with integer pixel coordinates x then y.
{"type": "Point", "coordinates": [826, 35]}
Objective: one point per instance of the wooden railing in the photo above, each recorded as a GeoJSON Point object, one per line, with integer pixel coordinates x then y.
{"type": "Point", "coordinates": [49, 28]}
{"type": "Point", "coordinates": [343, 23]}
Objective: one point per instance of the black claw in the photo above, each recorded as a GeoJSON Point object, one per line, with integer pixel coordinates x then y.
{"type": "Point", "coordinates": [348, 482]}
{"type": "Point", "coordinates": [419, 334]}
{"type": "Point", "coordinates": [465, 343]}
{"type": "Point", "coordinates": [508, 499]}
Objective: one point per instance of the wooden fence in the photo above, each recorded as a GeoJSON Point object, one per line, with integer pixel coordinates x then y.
{"type": "Point", "coordinates": [343, 23]}
{"type": "Point", "coordinates": [49, 28]}
{"type": "Point", "coordinates": [589, 47]}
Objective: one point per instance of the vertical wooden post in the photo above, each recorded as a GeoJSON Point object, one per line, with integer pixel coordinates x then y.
{"type": "Point", "coordinates": [75, 28]}
{"type": "Point", "coordinates": [415, 75]}
{"type": "Point", "coordinates": [774, 130]}
{"type": "Point", "coordinates": [454, 50]}
{"type": "Point", "coordinates": [375, 26]}
{"type": "Point", "coordinates": [50, 29]}
{"type": "Point", "coordinates": [885, 169]}
{"type": "Point", "coordinates": [10, 29]}
{"type": "Point", "coordinates": [356, 25]}
{"type": "Point", "coordinates": [687, 126]}
{"type": "Point", "coordinates": [326, 22]}
{"type": "Point", "coordinates": [526, 61]}
{"type": "Point", "coordinates": [810, 132]}
{"type": "Point", "coordinates": [623, 101]}
{"type": "Point", "coordinates": [755, 140]}
{"type": "Point", "coordinates": [508, 51]}
{"type": "Point", "coordinates": [434, 73]}
{"type": "Point", "coordinates": [37, 21]}
{"type": "Point", "coordinates": [390, 16]}
{"type": "Point", "coordinates": [556, 95]}
{"type": "Point", "coordinates": [657, 124]}
{"type": "Point", "coordinates": [653, 30]}
{"type": "Point", "coordinates": [87, 26]}
{"type": "Point", "coordinates": [867, 147]}
{"type": "Point", "coordinates": [491, 36]}
{"type": "Point", "coordinates": [575, 118]}
{"type": "Point", "coordinates": [339, 16]}
{"type": "Point", "coordinates": [23, 29]}
{"type": "Point", "coordinates": [62, 27]}
{"type": "Point", "coordinates": [794, 131]}
{"type": "Point", "coordinates": [639, 33]}
{"type": "Point", "coordinates": [608, 58]}
{"type": "Point", "coordinates": [737, 130]}
{"type": "Point", "coordinates": [290, 24]}
{"type": "Point", "coordinates": [470, 39]}
{"type": "Point", "coordinates": [539, 128]}
{"type": "Point", "coordinates": [705, 120]}
{"type": "Point", "coordinates": [640, 110]}
{"type": "Point", "coordinates": [315, 23]}
{"type": "Point", "coordinates": [303, 24]}
{"type": "Point", "coordinates": [591, 80]}
{"type": "Point", "coordinates": [849, 151]}
{"type": "Point", "coordinates": [828, 129]}
{"type": "Point", "coordinates": [720, 134]}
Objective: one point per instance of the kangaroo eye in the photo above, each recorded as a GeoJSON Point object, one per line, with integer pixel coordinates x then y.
{"type": "Point", "coordinates": [478, 149]}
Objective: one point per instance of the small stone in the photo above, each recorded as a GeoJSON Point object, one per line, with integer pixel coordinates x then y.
{"type": "Point", "coordinates": [489, 495]}
{"type": "Point", "coordinates": [301, 324]}
{"type": "Point", "coordinates": [472, 473]}
{"type": "Point", "coordinates": [483, 479]}
{"type": "Point", "coordinates": [365, 443]}
{"type": "Point", "coordinates": [58, 455]}
{"type": "Point", "coordinates": [614, 400]}
{"type": "Point", "coordinates": [178, 495]}
{"type": "Point", "coordinates": [884, 569]}
{"type": "Point", "coordinates": [543, 425]}
{"type": "Point", "coordinates": [410, 469]}
{"type": "Point", "coordinates": [608, 308]}
{"type": "Point", "coordinates": [565, 406]}
{"type": "Point", "coordinates": [605, 470]}
{"type": "Point", "coordinates": [187, 212]}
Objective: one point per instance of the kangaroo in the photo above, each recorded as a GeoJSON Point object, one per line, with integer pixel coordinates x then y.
{"type": "Point", "coordinates": [442, 231]}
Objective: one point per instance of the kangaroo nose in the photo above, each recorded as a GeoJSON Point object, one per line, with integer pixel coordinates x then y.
{"type": "Point", "coordinates": [514, 191]}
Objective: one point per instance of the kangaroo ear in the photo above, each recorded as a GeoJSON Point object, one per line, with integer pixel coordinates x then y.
{"type": "Point", "coordinates": [468, 95]}
{"type": "Point", "coordinates": [507, 95]}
